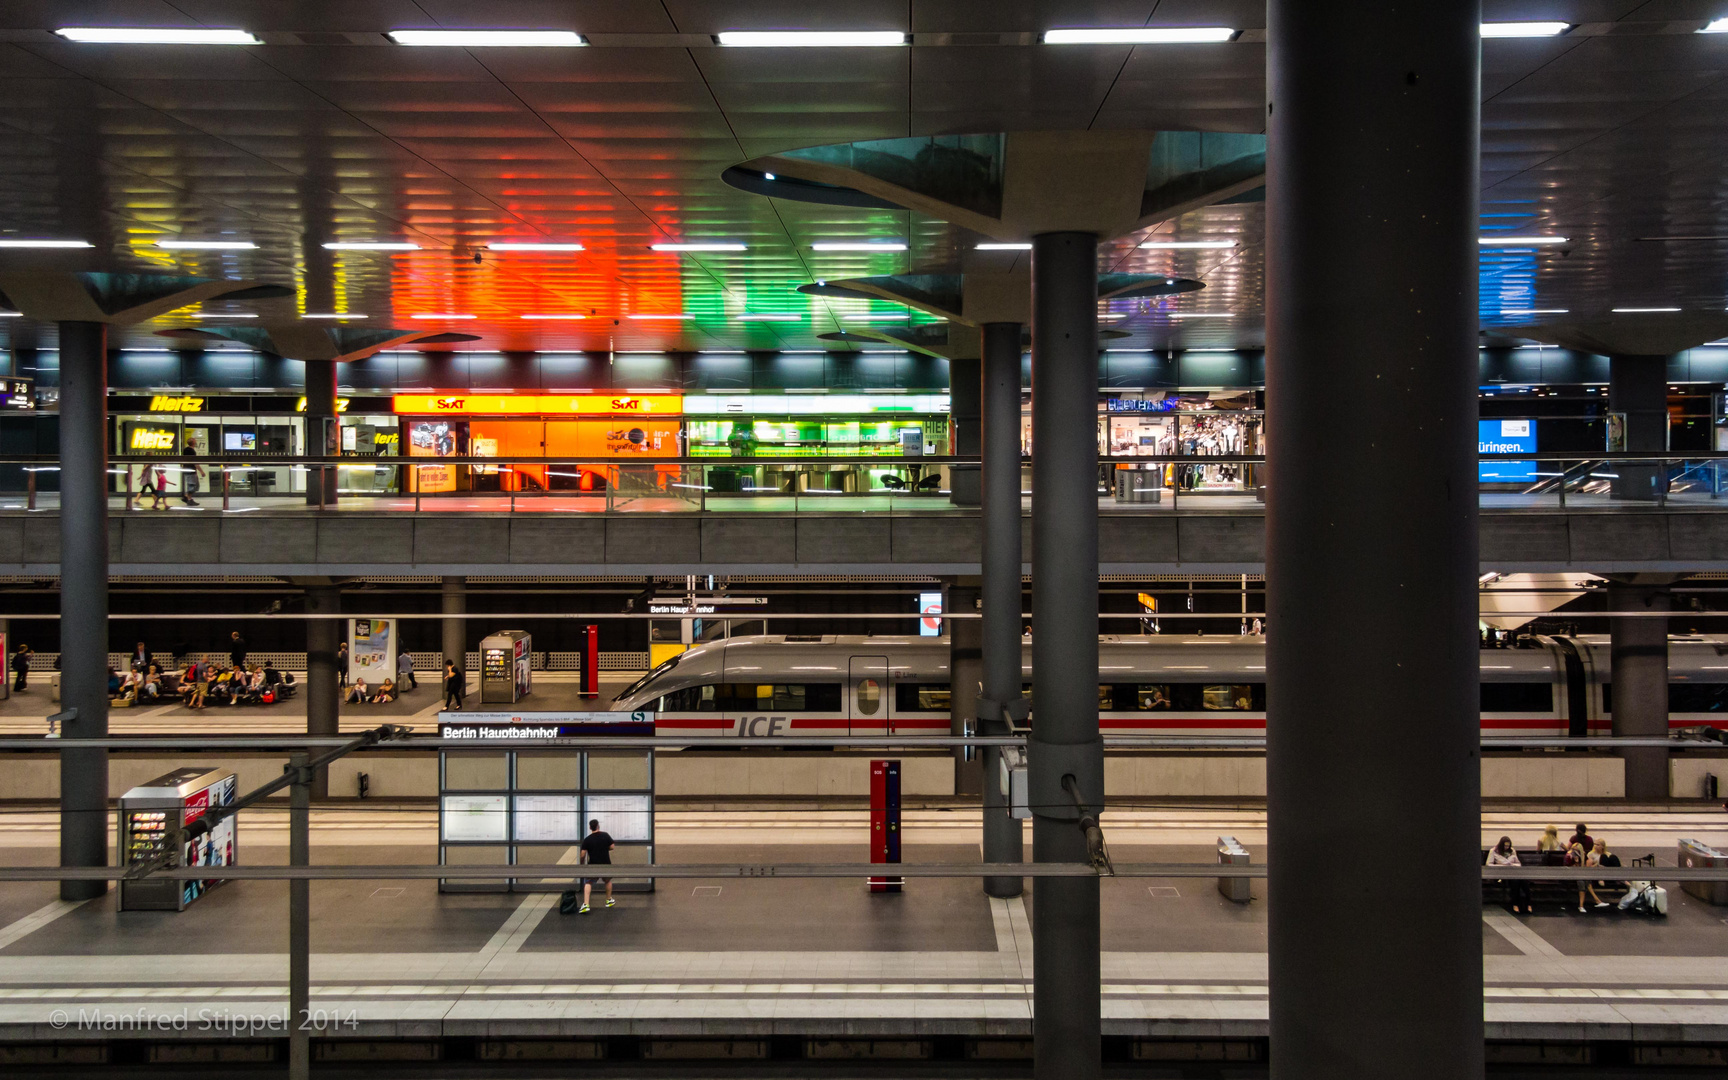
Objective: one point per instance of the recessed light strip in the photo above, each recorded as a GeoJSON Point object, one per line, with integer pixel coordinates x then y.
{"type": "Point", "coordinates": [1187, 245]}
{"type": "Point", "coordinates": [489, 39]}
{"type": "Point", "coordinates": [371, 245]}
{"type": "Point", "coordinates": [572, 317]}
{"type": "Point", "coordinates": [1139, 35]}
{"type": "Point", "coordinates": [807, 39]}
{"type": "Point", "coordinates": [156, 35]}
{"type": "Point", "coordinates": [1001, 247]}
{"type": "Point", "coordinates": [536, 245]}
{"type": "Point", "coordinates": [701, 245]}
{"type": "Point", "coordinates": [1524, 29]}
{"type": "Point", "coordinates": [1520, 241]}
{"type": "Point", "coordinates": [206, 245]}
{"type": "Point", "coordinates": [440, 315]}
{"type": "Point", "coordinates": [334, 315]}
{"type": "Point", "coordinates": [44, 244]}
{"type": "Point", "coordinates": [858, 245]}
{"type": "Point", "coordinates": [1643, 310]}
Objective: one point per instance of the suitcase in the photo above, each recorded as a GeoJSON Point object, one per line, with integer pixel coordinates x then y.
{"type": "Point", "coordinates": [1658, 900]}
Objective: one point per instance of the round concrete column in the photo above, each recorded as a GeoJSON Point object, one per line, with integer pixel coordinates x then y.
{"type": "Point", "coordinates": [323, 684]}
{"type": "Point", "coordinates": [1638, 662]}
{"type": "Point", "coordinates": [321, 414]}
{"type": "Point", "coordinates": [84, 599]}
{"type": "Point", "coordinates": [1064, 742]}
{"type": "Point", "coordinates": [1371, 264]}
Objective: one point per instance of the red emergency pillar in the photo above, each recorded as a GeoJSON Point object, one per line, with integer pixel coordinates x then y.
{"type": "Point", "coordinates": [885, 821]}
{"type": "Point", "coordinates": [591, 661]}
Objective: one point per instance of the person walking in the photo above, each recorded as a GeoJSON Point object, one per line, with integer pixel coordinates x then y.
{"type": "Point", "coordinates": [237, 651]}
{"type": "Point", "coordinates": [20, 667]}
{"type": "Point", "coordinates": [595, 850]}
{"type": "Point", "coordinates": [405, 679]}
{"type": "Point", "coordinates": [342, 664]}
{"type": "Point", "coordinates": [455, 684]}
{"type": "Point", "coordinates": [189, 478]}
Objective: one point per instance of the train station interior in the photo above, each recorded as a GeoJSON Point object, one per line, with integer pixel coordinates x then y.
{"type": "Point", "coordinates": [928, 539]}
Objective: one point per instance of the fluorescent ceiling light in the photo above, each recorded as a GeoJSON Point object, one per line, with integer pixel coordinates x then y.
{"type": "Point", "coordinates": [1523, 29]}
{"type": "Point", "coordinates": [372, 245]}
{"type": "Point", "coordinates": [335, 315]}
{"type": "Point", "coordinates": [1520, 241]}
{"type": "Point", "coordinates": [1188, 245]}
{"type": "Point", "coordinates": [1002, 247]}
{"type": "Point", "coordinates": [572, 316]}
{"type": "Point", "coordinates": [218, 315]}
{"type": "Point", "coordinates": [884, 317]}
{"type": "Point", "coordinates": [489, 39]}
{"type": "Point", "coordinates": [1138, 35]}
{"type": "Point", "coordinates": [666, 315]}
{"type": "Point", "coordinates": [207, 245]}
{"type": "Point", "coordinates": [439, 315]}
{"type": "Point", "coordinates": [11, 314]}
{"type": "Point", "coordinates": [1719, 26]}
{"type": "Point", "coordinates": [532, 246]}
{"type": "Point", "coordinates": [44, 244]}
{"type": "Point", "coordinates": [858, 245]}
{"type": "Point", "coordinates": [156, 35]}
{"type": "Point", "coordinates": [794, 39]}
{"type": "Point", "coordinates": [1111, 316]}
{"type": "Point", "coordinates": [700, 246]}
{"type": "Point", "coordinates": [1643, 310]}
{"type": "Point", "coordinates": [1201, 314]}
{"type": "Point", "coordinates": [763, 316]}
{"type": "Point", "coordinates": [1537, 311]}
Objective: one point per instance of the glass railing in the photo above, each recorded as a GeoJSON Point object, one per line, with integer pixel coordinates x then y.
{"type": "Point", "coordinates": [247, 484]}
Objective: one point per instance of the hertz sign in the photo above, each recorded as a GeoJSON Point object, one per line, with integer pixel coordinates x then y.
{"type": "Point", "coordinates": [176, 403]}
{"type": "Point", "coordinates": [538, 404]}
{"type": "Point", "coordinates": [152, 439]}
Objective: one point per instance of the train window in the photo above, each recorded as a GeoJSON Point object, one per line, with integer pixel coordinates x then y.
{"type": "Point", "coordinates": [1106, 697]}
{"type": "Point", "coordinates": [921, 697]}
{"type": "Point", "coordinates": [869, 696]}
{"type": "Point", "coordinates": [1690, 697]}
{"type": "Point", "coordinates": [1152, 696]}
{"type": "Point", "coordinates": [691, 699]}
{"type": "Point", "coordinates": [1517, 697]}
{"type": "Point", "coordinates": [1233, 697]}
{"type": "Point", "coordinates": [779, 697]}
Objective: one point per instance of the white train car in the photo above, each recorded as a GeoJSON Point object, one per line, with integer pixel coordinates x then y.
{"type": "Point", "coordinates": [834, 685]}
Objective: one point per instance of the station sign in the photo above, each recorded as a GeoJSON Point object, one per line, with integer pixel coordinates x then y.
{"type": "Point", "coordinates": [702, 605]}
{"type": "Point", "coordinates": [17, 393]}
{"type": "Point", "coordinates": [538, 404]}
{"type": "Point", "coordinates": [1506, 437]}
{"type": "Point", "coordinates": [541, 726]}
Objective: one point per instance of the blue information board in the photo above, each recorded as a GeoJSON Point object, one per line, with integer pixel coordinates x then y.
{"type": "Point", "coordinates": [1506, 437]}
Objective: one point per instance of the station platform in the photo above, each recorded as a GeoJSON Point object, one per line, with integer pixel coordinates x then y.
{"type": "Point", "coordinates": [742, 962]}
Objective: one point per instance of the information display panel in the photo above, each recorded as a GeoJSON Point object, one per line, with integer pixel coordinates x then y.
{"type": "Point", "coordinates": [475, 819]}
{"type": "Point", "coordinates": [548, 818]}
{"type": "Point", "coordinates": [625, 817]}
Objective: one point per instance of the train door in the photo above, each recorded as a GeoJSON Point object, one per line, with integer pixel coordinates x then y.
{"type": "Point", "coordinates": [867, 695]}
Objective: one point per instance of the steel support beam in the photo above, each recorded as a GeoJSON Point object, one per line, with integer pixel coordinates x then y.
{"type": "Point", "coordinates": [963, 411]}
{"type": "Point", "coordinates": [299, 920]}
{"type": "Point", "coordinates": [1638, 662]}
{"type": "Point", "coordinates": [1066, 996]}
{"type": "Point", "coordinates": [1372, 173]}
{"type": "Point", "coordinates": [321, 413]}
{"type": "Point", "coordinates": [323, 682]}
{"type": "Point", "coordinates": [455, 627]}
{"type": "Point", "coordinates": [1638, 390]}
{"type": "Point", "coordinates": [999, 627]}
{"type": "Point", "coordinates": [965, 678]}
{"type": "Point", "coordinates": [84, 599]}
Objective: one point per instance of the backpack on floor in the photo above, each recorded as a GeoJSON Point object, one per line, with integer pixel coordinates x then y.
{"type": "Point", "coordinates": [568, 903]}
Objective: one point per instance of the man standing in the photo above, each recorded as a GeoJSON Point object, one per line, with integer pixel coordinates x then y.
{"type": "Point", "coordinates": [405, 672]}
{"type": "Point", "coordinates": [20, 667]}
{"type": "Point", "coordinates": [455, 685]}
{"type": "Point", "coordinates": [596, 850]}
{"type": "Point", "coordinates": [237, 651]}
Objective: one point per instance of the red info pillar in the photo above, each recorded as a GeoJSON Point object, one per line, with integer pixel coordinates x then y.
{"type": "Point", "coordinates": [591, 661]}
{"type": "Point", "coordinates": [885, 821]}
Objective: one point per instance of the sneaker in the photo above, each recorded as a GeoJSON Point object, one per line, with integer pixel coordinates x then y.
{"type": "Point", "coordinates": [584, 910]}
{"type": "Point", "coordinates": [611, 902]}
{"type": "Point", "coordinates": [1601, 903]}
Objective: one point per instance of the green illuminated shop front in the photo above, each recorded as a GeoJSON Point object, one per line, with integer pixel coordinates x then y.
{"type": "Point", "coordinates": [899, 428]}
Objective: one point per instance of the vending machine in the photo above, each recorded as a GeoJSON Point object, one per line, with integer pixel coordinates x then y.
{"type": "Point", "coordinates": [150, 812]}
{"type": "Point", "coordinates": [506, 667]}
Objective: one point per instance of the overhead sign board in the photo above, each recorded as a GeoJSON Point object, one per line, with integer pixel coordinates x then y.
{"type": "Point", "coordinates": [181, 403]}
{"type": "Point", "coordinates": [17, 393]}
{"type": "Point", "coordinates": [1506, 437]}
{"type": "Point", "coordinates": [457, 404]}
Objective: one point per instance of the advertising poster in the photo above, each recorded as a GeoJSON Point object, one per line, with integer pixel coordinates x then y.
{"type": "Point", "coordinates": [929, 607]}
{"type": "Point", "coordinates": [5, 666]}
{"type": "Point", "coordinates": [523, 666]}
{"type": "Point", "coordinates": [215, 848]}
{"type": "Point", "coordinates": [1616, 433]}
{"type": "Point", "coordinates": [433, 438]}
{"type": "Point", "coordinates": [371, 650]}
{"type": "Point", "coordinates": [1506, 437]}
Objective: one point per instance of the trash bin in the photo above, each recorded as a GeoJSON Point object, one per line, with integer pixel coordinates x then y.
{"type": "Point", "coordinates": [1232, 853]}
{"type": "Point", "coordinates": [1698, 853]}
{"type": "Point", "coordinates": [1139, 486]}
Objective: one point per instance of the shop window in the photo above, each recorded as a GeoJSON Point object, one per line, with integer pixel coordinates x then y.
{"type": "Point", "coordinates": [869, 696]}
{"type": "Point", "coordinates": [921, 697]}
{"type": "Point", "coordinates": [1517, 697]}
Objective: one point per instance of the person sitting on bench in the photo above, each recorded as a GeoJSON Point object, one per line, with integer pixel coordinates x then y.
{"type": "Point", "coordinates": [1504, 854]}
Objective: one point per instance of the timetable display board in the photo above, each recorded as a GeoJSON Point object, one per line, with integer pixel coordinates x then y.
{"type": "Point", "coordinates": [529, 800]}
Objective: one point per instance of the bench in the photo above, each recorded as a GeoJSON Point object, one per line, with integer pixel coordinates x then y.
{"type": "Point", "coordinates": [1561, 893]}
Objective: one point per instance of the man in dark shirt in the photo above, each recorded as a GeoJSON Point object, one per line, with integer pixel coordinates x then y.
{"type": "Point", "coordinates": [596, 850]}
{"type": "Point", "coordinates": [237, 650]}
{"type": "Point", "coordinates": [1582, 838]}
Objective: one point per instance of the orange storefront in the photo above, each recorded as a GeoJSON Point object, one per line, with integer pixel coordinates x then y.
{"type": "Point", "coordinates": [577, 427]}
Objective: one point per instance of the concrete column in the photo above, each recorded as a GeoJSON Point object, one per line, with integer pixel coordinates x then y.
{"type": "Point", "coordinates": [1639, 671]}
{"type": "Point", "coordinates": [323, 687]}
{"type": "Point", "coordinates": [1065, 743]}
{"type": "Point", "coordinates": [1638, 387]}
{"type": "Point", "coordinates": [1372, 173]}
{"type": "Point", "coordinates": [84, 599]}
{"type": "Point", "coordinates": [999, 629]}
{"type": "Point", "coordinates": [320, 407]}
{"type": "Point", "coordinates": [963, 413]}
{"type": "Point", "coordinates": [965, 675]}
{"type": "Point", "coordinates": [455, 629]}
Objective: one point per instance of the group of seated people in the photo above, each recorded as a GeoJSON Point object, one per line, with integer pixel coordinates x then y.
{"type": "Point", "coordinates": [201, 685]}
{"type": "Point", "coordinates": [1581, 850]}
{"type": "Point", "coordinates": [360, 694]}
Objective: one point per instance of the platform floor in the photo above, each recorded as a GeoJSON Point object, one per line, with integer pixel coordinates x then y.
{"type": "Point", "coordinates": [810, 957]}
